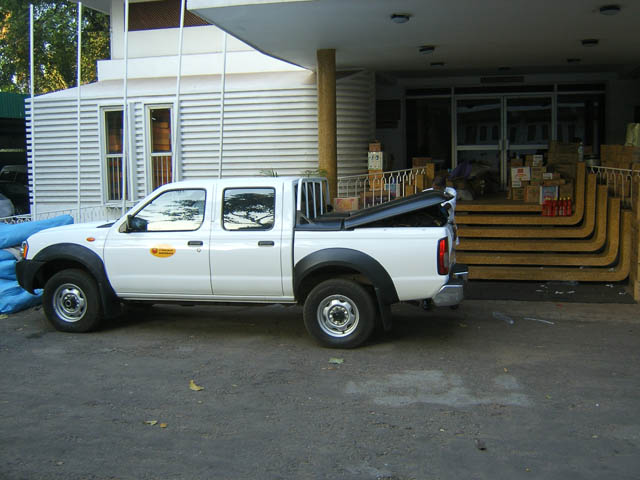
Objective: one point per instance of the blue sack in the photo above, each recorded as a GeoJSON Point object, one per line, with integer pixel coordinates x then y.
{"type": "Point", "coordinates": [14, 298]}
{"type": "Point", "coordinates": [8, 269]}
{"type": "Point", "coordinates": [12, 235]}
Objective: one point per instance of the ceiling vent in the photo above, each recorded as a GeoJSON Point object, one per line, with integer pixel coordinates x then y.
{"type": "Point", "coordinates": [502, 79]}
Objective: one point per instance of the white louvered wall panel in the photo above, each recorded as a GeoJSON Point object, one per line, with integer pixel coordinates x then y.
{"type": "Point", "coordinates": [270, 129]}
{"type": "Point", "coordinates": [56, 176]}
{"type": "Point", "coordinates": [355, 104]}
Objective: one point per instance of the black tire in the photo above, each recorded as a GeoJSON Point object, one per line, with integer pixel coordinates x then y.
{"type": "Point", "coordinates": [340, 313]}
{"type": "Point", "coordinates": [71, 301]}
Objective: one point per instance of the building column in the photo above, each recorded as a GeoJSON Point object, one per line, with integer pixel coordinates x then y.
{"type": "Point", "coordinates": [327, 123]}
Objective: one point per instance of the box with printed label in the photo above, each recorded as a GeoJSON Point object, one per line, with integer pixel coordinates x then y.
{"type": "Point", "coordinates": [376, 160]}
{"type": "Point", "coordinates": [375, 147]}
{"type": "Point", "coordinates": [532, 194]}
{"type": "Point", "coordinates": [548, 193]}
{"type": "Point", "coordinates": [537, 172]}
{"type": "Point", "coordinates": [520, 173]}
{"type": "Point", "coordinates": [517, 194]}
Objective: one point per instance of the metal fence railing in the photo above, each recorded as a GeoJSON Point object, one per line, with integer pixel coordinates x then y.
{"type": "Point", "coordinates": [379, 187]}
{"type": "Point", "coordinates": [620, 182]}
{"type": "Point", "coordinates": [87, 214]}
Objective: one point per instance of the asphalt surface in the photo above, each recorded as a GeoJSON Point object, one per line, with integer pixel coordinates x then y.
{"type": "Point", "coordinates": [492, 390]}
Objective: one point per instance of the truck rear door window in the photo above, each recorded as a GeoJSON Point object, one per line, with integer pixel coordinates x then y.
{"type": "Point", "coordinates": [248, 208]}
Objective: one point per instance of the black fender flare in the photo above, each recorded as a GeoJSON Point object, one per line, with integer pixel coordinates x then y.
{"type": "Point", "coordinates": [366, 265]}
{"type": "Point", "coordinates": [90, 261]}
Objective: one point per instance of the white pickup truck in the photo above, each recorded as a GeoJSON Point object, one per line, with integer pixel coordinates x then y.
{"type": "Point", "coordinates": [252, 240]}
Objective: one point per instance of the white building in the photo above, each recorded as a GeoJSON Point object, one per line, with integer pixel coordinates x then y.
{"type": "Point", "coordinates": [270, 114]}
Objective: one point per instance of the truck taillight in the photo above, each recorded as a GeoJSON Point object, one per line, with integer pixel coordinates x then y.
{"type": "Point", "coordinates": [24, 249]}
{"type": "Point", "coordinates": [443, 256]}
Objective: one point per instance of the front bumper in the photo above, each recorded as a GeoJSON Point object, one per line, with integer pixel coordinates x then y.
{"type": "Point", "coordinates": [26, 271]}
{"type": "Point", "coordinates": [452, 293]}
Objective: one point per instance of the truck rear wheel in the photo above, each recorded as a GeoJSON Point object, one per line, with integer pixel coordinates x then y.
{"type": "Point", "coordinates": [340, 313]}
{"type": "Point", "coordinates": [71, 301]}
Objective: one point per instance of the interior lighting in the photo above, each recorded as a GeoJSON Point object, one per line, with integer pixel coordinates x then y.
{"type": "Point", "coordinates": [425, 49]}
{"type": "Point", "coordinates": [573, 60]}
{"type": "Point", "coordinates": [400, 17]}
{"type": "Point", "coordinates": [610, 10]}
{"type": "Point", "coordinates": [590, 42]}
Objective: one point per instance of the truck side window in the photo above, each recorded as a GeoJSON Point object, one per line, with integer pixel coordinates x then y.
{"type": "Point", "coordinates": [248, 208]}
{"type": "Point", "coordinates": [174, 210]}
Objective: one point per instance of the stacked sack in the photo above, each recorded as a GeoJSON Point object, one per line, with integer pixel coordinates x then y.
{"type": "Point", "coordinates": [13, 297]}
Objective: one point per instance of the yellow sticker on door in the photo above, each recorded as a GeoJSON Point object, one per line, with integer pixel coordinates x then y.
{"type": "Point", "coordinates": [162, 251]}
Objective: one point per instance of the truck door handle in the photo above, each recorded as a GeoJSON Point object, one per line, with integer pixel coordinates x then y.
{"type": "Point", "coordinates": [266, 243]}
{"type": "Point", "coordinates": [195, 243]}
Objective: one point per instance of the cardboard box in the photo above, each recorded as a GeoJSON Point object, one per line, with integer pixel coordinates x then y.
{"type": "Point", "coordinates": [376, 161]}
{"type": "Point", "coordinates": [568, 171]}
{"type": "Point", "coordinates": [532, 194]}
{"type": "Point", "coordinates": [548, 193]}
{"type": "Point", "coordinates": [555, 181]}
{"type": "Point", "coordinates": [517, 194]}
{"type": "Point", "coordinates": [533, 160]}
{"type": "Point", "coordinates": [537, 172]}
{"type": "Point", "coordinates": [561, 148]}
{"type": "Point", "coordinates": [555, 158]}
{"type": "Point", "coordinates": [346, 204]}
{"type": "Point", "coordinates": [520, 173]}
{"type": "Point", "coordinates": [375, 147]}
{"type": "Point", "coordinates": [418, 162]}
{"type": "Point", "coordinates": [535, 182]}
{"type": "Point", "coordinates": [376, 180]}
{"type": "Point", "coordinates": [548, 175]}
{"type": "Point", "coordinates": [516, 162]}
{"type": "Point", "coordinates": [516, 183]}
{"type": "Point", "coordinates": [566, 190]}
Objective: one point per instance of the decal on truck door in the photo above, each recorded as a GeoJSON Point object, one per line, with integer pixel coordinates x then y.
{"type": "Point", "coordinates": [162, 251]}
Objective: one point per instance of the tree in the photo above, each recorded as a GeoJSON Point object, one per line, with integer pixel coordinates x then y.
{"type": "Point", "coordinates": [55, 44]}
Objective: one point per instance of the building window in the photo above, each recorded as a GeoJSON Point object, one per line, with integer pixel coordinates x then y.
{"type": "Point", "coordinates": [161, 158]}
{"type": "Point", "coordinates": [248, 208]}
{"type": "Point", "coordinates": [113, 121]}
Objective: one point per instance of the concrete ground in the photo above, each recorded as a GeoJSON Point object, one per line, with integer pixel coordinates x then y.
{"type": "Point", "coordinates": [493, 390]}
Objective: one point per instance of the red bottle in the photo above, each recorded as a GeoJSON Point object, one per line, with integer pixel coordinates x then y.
{"type": "Point", "coordinates": [569, 206]}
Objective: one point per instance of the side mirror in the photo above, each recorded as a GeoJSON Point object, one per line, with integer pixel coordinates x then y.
{"type": "Point", "coordinates": [126, 226]}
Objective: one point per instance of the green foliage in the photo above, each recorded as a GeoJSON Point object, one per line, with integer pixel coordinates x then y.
{"type": "Point", "coordinates": [55, 44]}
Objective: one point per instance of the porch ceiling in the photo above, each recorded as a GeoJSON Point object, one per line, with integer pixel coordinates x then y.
{"type": "Point", "coordinates": [468, 35]}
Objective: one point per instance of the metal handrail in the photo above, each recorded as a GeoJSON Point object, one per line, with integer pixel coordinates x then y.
{"type": "Point", "coordinates": [618, 180]}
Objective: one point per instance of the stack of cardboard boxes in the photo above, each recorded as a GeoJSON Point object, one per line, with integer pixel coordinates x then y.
{"type": "Point", "coordinates": [534, 180]}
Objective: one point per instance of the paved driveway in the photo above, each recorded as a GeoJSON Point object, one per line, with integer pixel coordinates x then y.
{"type": "Point", "coordinates": [492, 390]}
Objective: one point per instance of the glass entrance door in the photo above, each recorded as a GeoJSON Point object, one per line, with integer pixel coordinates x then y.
{"type": "Point", "coordinates": [490, 131]}
{"type": "Point", "coordinates": [479, 141]}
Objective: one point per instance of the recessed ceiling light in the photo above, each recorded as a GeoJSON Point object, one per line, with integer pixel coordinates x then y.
{"type": "Point", "coordinates": [400, 17]}
{"type": "Point", "coordinates": [504, 69]}
{"type": "Point", "coordinates": [426, 49]}
{"type": "Point", "coordinates": [590, 42]}
{"type": "Point", "coordinates": [610, 9]}
{"type": "Point", "coordinates": [573, 60]}
{"type": "Point", "coordinates": [437, 64]}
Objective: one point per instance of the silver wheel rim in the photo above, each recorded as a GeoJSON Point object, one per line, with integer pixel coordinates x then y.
{"type": "Point", "coordinates": [338, 316]}
{"type": "Point", "coordinates": [69, 303]}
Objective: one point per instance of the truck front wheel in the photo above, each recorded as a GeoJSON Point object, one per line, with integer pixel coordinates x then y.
{"type": "Point", "coordinates": [71, 301]}
{"type": "Point", "coordinates": [340, 313]}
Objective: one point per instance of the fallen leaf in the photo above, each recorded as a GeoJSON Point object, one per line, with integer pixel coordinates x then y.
{"type": "Point", "coordinates": [163, 425]}
{"type": "Point", "coordinates": [3, 316]}
{"type": "Point", "coordinates": [151, 422]}
{"type": "Point", "coordinates": [194, 387]}
{"type": "Point", "coordinates": [506, 370]}
{"type": "Point", "coordinates": [463, 325]}
{"type": "Point", "coordinates": [337, 361]}
{"type": "Point", "coordinates": [548, 397]}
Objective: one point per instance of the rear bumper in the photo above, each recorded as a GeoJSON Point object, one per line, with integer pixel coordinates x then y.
{"type": "Point", "coordinates": [452, 293]}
